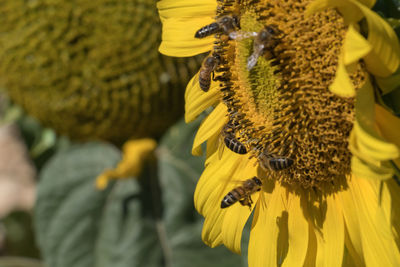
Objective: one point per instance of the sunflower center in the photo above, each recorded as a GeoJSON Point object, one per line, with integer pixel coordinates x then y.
{"type": "Point", "coordinates": [275, 77]}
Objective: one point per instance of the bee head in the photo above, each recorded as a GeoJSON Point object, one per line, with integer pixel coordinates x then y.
{"type": "Point", "coordinates": [226, 20]}
{"type": "Point", "coordinates": [236, 21]}
{"type": "Point", "coordinates": [268, 32]}
{"type": "Point", "coordinates": [257, 181]}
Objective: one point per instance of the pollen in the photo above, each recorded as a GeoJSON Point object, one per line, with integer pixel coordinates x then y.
{"type": "Point", "coordinates": [283, 106]}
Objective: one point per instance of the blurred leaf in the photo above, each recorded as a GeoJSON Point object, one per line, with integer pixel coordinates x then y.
{"type": "Point", "coordinates": [69, 209]}
{"type": "Point", "coordinates": [19, 237]}
{"type": "Point", "coordinates": [148, 222]}
{"type": "Point", "coordinates": [388, 8]}
{"type": "Point", "coordinates": [392, 101]}
{"type": "Point", "coordinates": [19, 262]}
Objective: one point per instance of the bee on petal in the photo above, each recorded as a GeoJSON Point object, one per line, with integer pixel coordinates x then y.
{"type": "Point", "coordinates": [225, 24]}
{"type": "Point", "coordinates": [242, 193]}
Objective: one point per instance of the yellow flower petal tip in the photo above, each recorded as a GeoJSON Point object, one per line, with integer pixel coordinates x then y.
{"type": "Point", "coordinates": [102, 181]}
{"type": "Point", "coordinates": [135, 153]}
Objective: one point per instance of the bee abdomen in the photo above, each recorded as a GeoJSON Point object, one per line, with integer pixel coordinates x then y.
{"type": "Point", "coordinates": [232, 197]}
{"type": "Point", "coordinates": [277, 164]}
{"type": "Point", "coordinates": [204, 83]}
{"type": "Point", "coordinates": [207, 30]}
{"type": "Point", "coordinates": [235, 145]}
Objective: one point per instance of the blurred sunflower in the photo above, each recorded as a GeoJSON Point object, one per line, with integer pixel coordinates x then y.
{"type": "Point", "coordinates": [294, 97]}
{"type": "Point", "coordinates": [92, 78]}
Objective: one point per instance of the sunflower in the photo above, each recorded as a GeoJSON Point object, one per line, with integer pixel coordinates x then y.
{"type": "Point", "coordinates": [296, 136]}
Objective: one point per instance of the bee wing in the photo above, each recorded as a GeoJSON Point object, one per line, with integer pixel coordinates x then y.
{"type": "Point", "coordinates": [252, 60]}
{"type": "Point", "coordinates": [239, 35]}
{"type": "Point", "coordinates": [233, 182]}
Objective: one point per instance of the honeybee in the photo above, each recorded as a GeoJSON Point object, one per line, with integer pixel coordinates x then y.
{"type": "Point", "coordinates": [207, 67]}
{"type": "Point", "coordinates": [264, 41]}
{"type": "Point", "coordinates": [273, 163]}
{"type": "Point", "coordinates": [242, 193]}
{"type": "Point", "coordinates": [230, 140]}
{"type": "Point", "coordinates": [226, 24]}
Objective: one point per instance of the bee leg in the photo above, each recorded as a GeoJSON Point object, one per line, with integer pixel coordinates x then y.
{"type": "Point", "coordinates": [247, 201]}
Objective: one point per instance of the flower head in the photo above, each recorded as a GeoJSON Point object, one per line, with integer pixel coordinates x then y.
{"type": "Point", "coordinates": [295, 133]}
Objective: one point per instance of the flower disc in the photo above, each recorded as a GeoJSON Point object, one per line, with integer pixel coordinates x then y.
{"type": "Point", "coordinates": [283, 106]}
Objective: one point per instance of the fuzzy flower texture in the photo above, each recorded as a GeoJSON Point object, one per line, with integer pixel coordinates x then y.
{"type": "Point", "coordinates": [296, 136]}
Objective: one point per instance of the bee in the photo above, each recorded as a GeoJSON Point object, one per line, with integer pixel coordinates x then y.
{"type": "Point", "coordinates": [242, 193]}
{"type": "Point", "coordinates": [226, 24]}
{"type": "Point", "coordinates": [274, 163]}
{"type": "Point", "coordinates": [230, 140]}
{"type": "Point", "coordinates": [207, 67]}
{"type": "Point", "coordinates": [264, 41]}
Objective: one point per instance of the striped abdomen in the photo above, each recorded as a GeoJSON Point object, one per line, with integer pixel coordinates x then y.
{"type": "Point", "coordinates": [233, 196]}
{"type": "Point", "coordinates": [278, 164]}
{"type": "Point", "coordinates": [204, 80]}
{"type": "Point", "coordinates": [235, 145]}
{"type": "Point", "coordinates": [208, 66]}
{"type": "Point", "coordinates": [242, 193]}
{"type": "Point", "coordinates": [207, 30]}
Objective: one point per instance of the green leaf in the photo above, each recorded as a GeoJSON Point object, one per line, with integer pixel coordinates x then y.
{"type": "Point", "coordinates": [19, 262]}
{"type": "Point", "coordinates": [388, 8]}
{"type": "Point", "coordinates": [19, 238]}
{"type": "Point", "coordinates": [149, 221]}
{"type": "Point", "coordinates": [392, 101]}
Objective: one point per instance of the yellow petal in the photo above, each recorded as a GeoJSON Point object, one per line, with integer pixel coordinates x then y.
{"type": "Point", "coordinates": [312, 248]}
{"type": "Point", "coordinates": [196, 100]}
{"type": "Point", "coordinates": [394, 191]}
{"type": "Point", "coordinates": [217, 173]}
{"type": "Point", "coordinates": [181, 19]}
{"type": "Point", "coordinates": [350, 215]}
{"type": "Point", "coordinates": [378, 244]}
{"type": "Point", "coordinates": [388, 125]}
{"type": "Point", "coordinates": [210, 190]}
{"type": "Point", "coordinates": [368, 140]}
{"type": "Point", "coordinates": [385, 57]}
{"type": "Point", "coordinates": [212, 233]}
{"type": "Point", "coordinates": [366, 170]}
{"type": "Point", "coordinates": [355, 46]}
{"type": "Point", "coordinates": [135, 154]}
{"type": "Point", "coordinates": [178, 37]}
{"type": "Point", "coordinates": [370, 143]}
{"type": "Point", "coordinates": [342, 84]}
{"type": "Point", "coordinates": [213, 144]}
{"type": "Point", "coordinates": [388, 84]}
{"type": "Point", "coordinates": [234, 221]}
{"type": "Point", "coordinates": [351, 257]}
{"type": "Point", "coordinates": [297, 233]}
{"type": "Point", "coordinates": [386, 201]}
{"type": "Point", "coordinates": [330, 236]}
{"type": "Point", "coordinates": [212, 124]}
{"type": "Point", "coordinates": [232, 228]}
{"type": "Point", "coordinates": [265, 229]}
{"type": "Point", "coordinates": [184, 8]}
